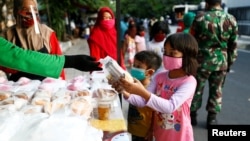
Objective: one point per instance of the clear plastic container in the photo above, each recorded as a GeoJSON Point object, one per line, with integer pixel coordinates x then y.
{"type": "Point", "coordinates": [104, 109]}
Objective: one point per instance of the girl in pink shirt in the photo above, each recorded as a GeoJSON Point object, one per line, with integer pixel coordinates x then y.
{"type": "Point", "coordinates": [140, 40]}
{"type": "Point", "coordinates": [170, 92]}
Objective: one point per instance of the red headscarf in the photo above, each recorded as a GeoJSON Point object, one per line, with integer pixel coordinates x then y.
{"type": "Point", "coordinates": [105, 39]}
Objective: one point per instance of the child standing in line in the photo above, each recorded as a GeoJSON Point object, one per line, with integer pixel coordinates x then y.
{"type": "Point", "coordinates": [171, 92]}
{"type": "Point", "coordinates": [140, 118]}
{"type": "Point", "coordinates": [140, 40]}
{"type": "Point", "coordinates": [129, 46]}
{"type": "Point", "coordinates": [158, 35]}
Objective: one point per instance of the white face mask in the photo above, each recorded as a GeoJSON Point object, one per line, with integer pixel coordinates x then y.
{"type": "Point", "coordinates": [171, 63]}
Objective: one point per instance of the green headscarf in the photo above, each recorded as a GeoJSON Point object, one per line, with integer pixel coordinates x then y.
{"type": "Point", "coordinates": [188, 20]}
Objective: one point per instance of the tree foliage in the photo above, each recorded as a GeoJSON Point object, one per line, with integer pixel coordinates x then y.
{"type": "Point", "coordinates": [56, 10]}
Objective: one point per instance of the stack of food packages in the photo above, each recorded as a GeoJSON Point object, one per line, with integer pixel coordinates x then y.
{"type": "Point", "coordinates": [48, 96]}
{"type": "Point", "coordinates": [73, 98]}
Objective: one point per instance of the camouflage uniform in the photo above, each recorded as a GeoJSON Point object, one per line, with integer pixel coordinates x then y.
{"type": "Point", "coordinates": [216, 33]}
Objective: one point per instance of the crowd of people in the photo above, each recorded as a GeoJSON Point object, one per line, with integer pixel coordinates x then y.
{"type": "Point", "coordinates": [169, 69]}
{"type": "Point", "coordinates": [203, 50]}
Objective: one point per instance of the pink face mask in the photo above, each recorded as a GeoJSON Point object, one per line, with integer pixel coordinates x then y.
{"type": "Point", "coordinates": [107, 24]}
{"type": "Point", "coordinates": [171, 63]}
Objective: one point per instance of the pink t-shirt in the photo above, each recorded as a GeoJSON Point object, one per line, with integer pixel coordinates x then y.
{"type": "Point", "coordinates": [171, 99]}
{"type": "Point", "coordinates": [140, 43]}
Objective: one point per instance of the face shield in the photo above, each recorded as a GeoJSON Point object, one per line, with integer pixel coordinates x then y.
{"type": "Point", "coordinates": [28, 17]}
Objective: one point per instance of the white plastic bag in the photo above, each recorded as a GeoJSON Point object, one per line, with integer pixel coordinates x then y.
{"type": "Point", "coordinates": [113, 70]}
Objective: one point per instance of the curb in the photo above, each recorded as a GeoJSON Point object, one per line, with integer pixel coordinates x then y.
{"type": "Point", "coordinates": [244, 42]}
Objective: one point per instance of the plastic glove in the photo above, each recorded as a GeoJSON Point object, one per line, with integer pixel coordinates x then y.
{"type": "Point", "coordinates": [82, 63]}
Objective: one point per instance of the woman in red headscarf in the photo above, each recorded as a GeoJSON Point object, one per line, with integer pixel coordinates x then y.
{"type": "Point", "coordinates": [103, 37]}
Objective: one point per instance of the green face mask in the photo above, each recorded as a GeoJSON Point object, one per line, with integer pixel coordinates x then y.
{"type": "Point", "coordinates": [138, 73]}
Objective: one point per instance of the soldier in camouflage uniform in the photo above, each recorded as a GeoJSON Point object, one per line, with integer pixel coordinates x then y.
{"type": "Point", "coordinates": [216, 32]}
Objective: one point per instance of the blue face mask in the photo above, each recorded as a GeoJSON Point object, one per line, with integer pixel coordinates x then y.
{"type": "Point", "coordinates": [138, 73]}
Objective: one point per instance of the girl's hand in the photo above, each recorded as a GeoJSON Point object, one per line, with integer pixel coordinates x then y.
{"type": "Point", "coordinates": [125, 94]}
{"type": "Point", "coordinates": [131, 87]}
{"type": "Point", "coordinates": [135, 87]}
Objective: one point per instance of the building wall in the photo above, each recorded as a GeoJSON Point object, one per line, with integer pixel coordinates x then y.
{"type": "Point", "coordinates": [236, 3]}
{"type": "Point", "coordinates": [241, 10]}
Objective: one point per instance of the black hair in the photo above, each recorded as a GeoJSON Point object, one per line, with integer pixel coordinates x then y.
{"type": "Point", "coordinates": [213, 2]}
{"type": "Point", "coordinates": [126, 18]}
{"type": "Point", "coordinates": [188, 45]}
{"type": "Point", "coordinates": [17, 4]}
{"type": "Point", "coordinates": [140, 28]}
{"type": "Point", "coordinates": [150, 58]}
{"type": "Point", "coordinates": [131, 24]}
{"type": "Point", "coordinates": [157, 27]}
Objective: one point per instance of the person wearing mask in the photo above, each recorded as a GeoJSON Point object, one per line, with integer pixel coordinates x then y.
{"type": "Point", "coordinates": [102, 41]}
{"type": "Point", "coordinates": [179, 18]}
{"type": "Point", "coordinates": [46, 65]}
{"type": "Point", "coordinates": [171, 92]}
{"type": "Point", "coordinates": [216, 33]}
{"type": "Point", "coordinates": [158, 35]}
{"type": "Point", "coordinates": [129, 45]}
{"type": "Point", "coordinates": [140, 40]}
{"type": "Point", "coordinates": [140, 118]}
{"type": "Point", "coordinates": [29, 33]}
{"type": "Point", "coordinates": [103, 37]}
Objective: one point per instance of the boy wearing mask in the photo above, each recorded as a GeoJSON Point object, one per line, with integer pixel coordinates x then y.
{"type": "Point", "coordinates": [140, 118]}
